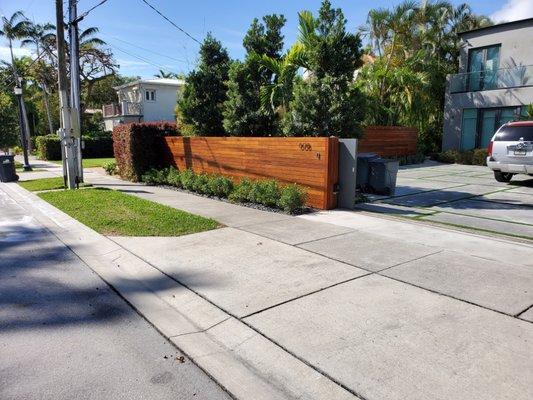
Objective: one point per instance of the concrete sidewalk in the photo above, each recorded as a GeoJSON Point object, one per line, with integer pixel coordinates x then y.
{"type": "Point", "coordinates": [328, 305]}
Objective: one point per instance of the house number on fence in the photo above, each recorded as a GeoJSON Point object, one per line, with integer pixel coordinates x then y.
{"type": "Point", "coordinates": [305, 146]}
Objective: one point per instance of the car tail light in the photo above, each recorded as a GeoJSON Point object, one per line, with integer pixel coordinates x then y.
{"type": "Point", "coordinates": [489, 149]}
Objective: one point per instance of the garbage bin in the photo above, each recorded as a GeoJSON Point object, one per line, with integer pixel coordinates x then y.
{"type": "Point", "coordinates": [7, 168]}
{"type": "Point", "coordinates": [383, 175]}
{"type": "Point", "coordinates": [363, 170]}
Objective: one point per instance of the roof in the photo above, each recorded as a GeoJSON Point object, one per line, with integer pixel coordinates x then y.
{"type": "Point", "coordinates": [504, 24]}
{"type": "Point", "coordinates": [156, 81]}
{"type": "Point", "coordinates": [521, 123]}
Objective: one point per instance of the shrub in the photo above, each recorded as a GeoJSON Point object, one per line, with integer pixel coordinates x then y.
{"type": "Point", "coordinates": [49, 147]}
{"type": "Point", "coordinates": [292, 198]}
{"type": "Point", "coordinates": [110, 167]}
{"type": "Point", "coordinates": [188, 178]}
{"type": "Point", "coordinates": [448, 156]}
{"type": "Point", "coordinates": [200, 184]}
{"type": "Point", "coordinates": [464, 157]}
{"type": "Point", "coordinates": [412, 159]}
{"type": "Point", "coordinates": [241, 191]}
{"type": "Point", "coordinates": [174, 177]}
{"type": "Point", "coordinates": [265, 192]}
{"type": "Point", "coordinates": [220, 186]}
{"type": "Point", "coordinates": [155, 177]}
{"type": "Point", "coordinates": [480, 157]}
{"type": "Point", "coordinates": [137, 147]}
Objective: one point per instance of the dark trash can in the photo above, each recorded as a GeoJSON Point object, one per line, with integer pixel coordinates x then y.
{"type": "Point", "coordinates": [7, 168]}
{"type": "Point", "coordinates": [383, 175]}
{"type": "Point", "coordinates": [363, 170]}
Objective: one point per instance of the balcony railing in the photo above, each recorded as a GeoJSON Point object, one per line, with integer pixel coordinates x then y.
{"type": "Point", "coordinates": [121, 109]}
{"type": "Point", "coordinates": [502, 78]}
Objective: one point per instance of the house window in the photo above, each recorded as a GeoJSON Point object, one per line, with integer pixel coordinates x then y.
{"type": "Point", "coordinates": [479, 125]}
{"type": "Point", "coordinates": [483, 64]}
{"type": "Point", "coordinates": [149, 95]}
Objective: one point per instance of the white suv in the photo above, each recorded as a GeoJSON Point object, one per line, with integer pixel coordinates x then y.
{"type": "Point", "coordinates": [510, 151]}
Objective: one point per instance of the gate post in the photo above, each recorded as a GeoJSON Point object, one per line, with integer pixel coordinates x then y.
{"type": "Point", "coordinates": [347, 173]}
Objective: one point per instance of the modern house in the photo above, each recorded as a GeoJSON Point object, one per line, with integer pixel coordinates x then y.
{"type": "Point", "coordinates": [143, 100]}
{"type": "Point", "coordinates": [494, 84]}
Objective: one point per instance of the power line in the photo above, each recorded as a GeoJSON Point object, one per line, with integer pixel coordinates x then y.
{"type": "Point", "coordinates": [83, 15]}
{"type": "Point", "coordinates": [143, 48]}
{"type": "Point", "coordinates": [141, 58]}
{"type": "Point", "coordinates": [171, 22]}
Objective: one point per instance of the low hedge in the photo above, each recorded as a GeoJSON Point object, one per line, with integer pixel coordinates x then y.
{"type": "Point", "coordinates": [49, 147]}
{"type": "Point", "coordinates": [467, 157]}
{"type": "Point", "coordinates": [270, 193]}
{"type": "Point", "coordinates": [137, 147]}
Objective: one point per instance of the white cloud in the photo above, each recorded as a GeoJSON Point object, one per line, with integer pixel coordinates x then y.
{"type": "Point", "coordinates": [18, 51]}
{"type": "Point", "coordinates": [514, 10]}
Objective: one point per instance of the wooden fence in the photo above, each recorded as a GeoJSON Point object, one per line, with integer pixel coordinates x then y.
{"type": "Point", "coordinates": [389, 141]}
{"type": "Point", "coordinates": [309, 162]}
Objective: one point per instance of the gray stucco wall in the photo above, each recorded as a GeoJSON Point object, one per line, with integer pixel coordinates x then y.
{"type": "Point", "coordinates": [516, 49]}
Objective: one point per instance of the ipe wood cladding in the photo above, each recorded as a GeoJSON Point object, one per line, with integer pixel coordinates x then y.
{"type": "Point", "coordinates": [308, 162]}
{"type": "Point", "coordinates": [389, 141]}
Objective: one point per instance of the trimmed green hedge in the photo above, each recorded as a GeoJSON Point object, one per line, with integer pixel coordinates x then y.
{"type": "Point", "coordinates": [270, 193]}
{"type": "Point", "coordinates": [137, 148]}
{"type": "Point", "coordinates": [49, 147]}
{"type": "Point", "coordinates": [468, 157]}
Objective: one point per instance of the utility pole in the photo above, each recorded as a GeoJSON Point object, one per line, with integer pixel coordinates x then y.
{"type": "Point", "coordinates": [65, 131]}
{"type": "Point", "coordinates": [75, 81]}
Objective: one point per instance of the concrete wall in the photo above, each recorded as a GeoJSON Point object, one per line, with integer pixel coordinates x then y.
{"type": "Point", "coordinates": [516, 49]}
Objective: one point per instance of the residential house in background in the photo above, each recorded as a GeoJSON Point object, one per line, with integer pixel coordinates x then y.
{"type": "Point", "coordinates": [494, 84]}
{"type": "Point", "coordinates": [143, 100]}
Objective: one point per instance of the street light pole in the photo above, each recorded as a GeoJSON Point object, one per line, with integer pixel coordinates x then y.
{"type": "Point", "coordinates": [23, 136]}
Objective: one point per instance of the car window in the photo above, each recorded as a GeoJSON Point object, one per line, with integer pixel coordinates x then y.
{"type": "Point", "coordinates": [514, 133]}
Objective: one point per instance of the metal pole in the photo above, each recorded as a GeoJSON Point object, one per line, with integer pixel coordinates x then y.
{"type": "Point", "coordinates": [75, 82]}
{"type": "Point", "coordinates": [65, 132]}
{"type": "Point", "coordinates": [23, 138]}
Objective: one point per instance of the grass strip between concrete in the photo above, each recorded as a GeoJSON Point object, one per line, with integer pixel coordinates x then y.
{"type": "Point", "coordinates": [110, 212]}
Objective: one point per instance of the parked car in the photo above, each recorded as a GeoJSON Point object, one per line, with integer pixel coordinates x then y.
{"type": "Point", "coordinates": [510, 151]}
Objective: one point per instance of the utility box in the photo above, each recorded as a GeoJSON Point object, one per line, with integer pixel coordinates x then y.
{"type": "Point", "coordinates": [7, 168]}
{"type": "Point", "coordinates": [363, 169]}
{"type": "Point", "coordinates": [383, 175]}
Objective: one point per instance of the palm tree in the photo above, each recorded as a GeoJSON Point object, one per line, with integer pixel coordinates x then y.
{"type": "Point", "coordinates": [16, 27]}
{"type": "Point", "coordinates": [166, 75]}
{"type": "Point", "coordinates": [278, 93]}
{"type": "Point", "coordinates": [40, 36]}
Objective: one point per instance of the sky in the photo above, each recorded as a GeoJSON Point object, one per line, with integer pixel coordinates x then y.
{"type": "Point", "coordinates": [143, 42]}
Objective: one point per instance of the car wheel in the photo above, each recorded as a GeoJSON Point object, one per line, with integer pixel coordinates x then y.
{"type": "Point", "coordinates": [502, 176]}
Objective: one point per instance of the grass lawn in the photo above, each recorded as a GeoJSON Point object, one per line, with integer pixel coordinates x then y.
{"type": "Point", "coordinates": [35, 185]}
{"type": "Point", "coordinates": [90, 162]}
{"type": "Point", "coordinates": [110, 212]}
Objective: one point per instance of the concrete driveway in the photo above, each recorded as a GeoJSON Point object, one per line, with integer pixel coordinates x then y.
{"type": "Point", "coordinates": [461, 195]}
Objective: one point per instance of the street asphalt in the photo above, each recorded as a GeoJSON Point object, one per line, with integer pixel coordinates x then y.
{"type": "Point", "coordinates": [64, 334]}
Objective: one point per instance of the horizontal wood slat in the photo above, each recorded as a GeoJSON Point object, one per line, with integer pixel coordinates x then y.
{"type": "Point", "coordinates": [309, 162]}
{"type": "Point", "coordinates": [389, 141]}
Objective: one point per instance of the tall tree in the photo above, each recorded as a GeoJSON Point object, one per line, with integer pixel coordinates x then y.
{"type": "Point", "coordinates": [327, 103]}
{"type": "Point", "coordinates": [243, 113]}
{"type": "Point", "coordinates": [200, 107]}
{"type": "Point", "coordinates": [40, 36]}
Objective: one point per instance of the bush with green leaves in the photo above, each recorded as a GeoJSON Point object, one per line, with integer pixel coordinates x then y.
{"type": "Point", "coordinates": [466, 157]}
{"type": "Point", "coordinates": [269, 193]}
{"type": "Point", "coordinates": [110, 167]}
{"type": "Point", "coordinates": [292, 198]}
{"type": "Point", "coordinates": [480, 157]}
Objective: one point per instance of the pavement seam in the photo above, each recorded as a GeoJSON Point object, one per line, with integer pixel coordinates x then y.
{"type": "Point", "coordinates": [524, 311]}
{"type": "Point", "coordinates": [407, 262]}
{"type": "Point", "coordinates": [323, 238]}
{"type": "Point", "coordinates": [201, 331]}
{"type": "Point", "coordinates": [451, 297]}
{"type": "Point", "coordinates": [305, 295]}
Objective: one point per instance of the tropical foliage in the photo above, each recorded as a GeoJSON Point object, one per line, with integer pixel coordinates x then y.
{"type": "Point", "coordinates": [417, 45]}
{"type": "Point", "coordinates": [200, 108]}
